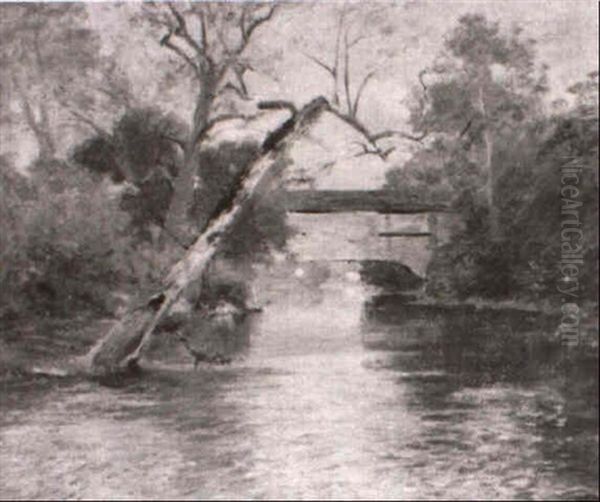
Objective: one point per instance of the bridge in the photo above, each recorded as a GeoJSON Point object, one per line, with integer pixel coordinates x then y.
{"type": "Point", "coordinates": [366, 225]}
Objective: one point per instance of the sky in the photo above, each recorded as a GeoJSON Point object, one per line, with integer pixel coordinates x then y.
{"type": "Point", "coordinates": [566, 31]}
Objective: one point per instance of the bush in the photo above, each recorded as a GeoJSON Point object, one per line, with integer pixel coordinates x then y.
{"type": "Point", "coordinates": [140, 154]}
{"type": "Point", "coordinates": [69, 248]}
{"type": "Point", "coordinates": [524, 261]}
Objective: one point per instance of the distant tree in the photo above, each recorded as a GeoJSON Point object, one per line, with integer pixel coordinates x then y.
{"type": "Point", "coordinates": [357, 29]}
{"type": "Point", "coordinates": [210, 43]}
{"type": "Point", "coordinates": [485, 85]}
{"type": "Point", "coordinates": [495, 153]}
{"type": "Point", "coordinates": [52, 66]}
{"type": "Point", "coordinates": [436, 173]}
{"type": "Point", "coordinates": [586, 96]}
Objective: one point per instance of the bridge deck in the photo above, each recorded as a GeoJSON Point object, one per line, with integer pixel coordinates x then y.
{"type": "Point", "coordinates": [337, 201]}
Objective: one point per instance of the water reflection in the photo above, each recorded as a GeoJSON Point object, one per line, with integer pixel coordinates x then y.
{"type": "Point", "coordinates": [488, 385]}
{"type": "Point", "coordinates": [423, 406]}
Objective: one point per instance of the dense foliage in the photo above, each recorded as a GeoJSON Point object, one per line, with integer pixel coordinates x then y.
{"type": "Point", "coordinates": [78, 233]}
{"type": "Point", "coordinates": [64, 245]}
{"type": "Point", "coordinates": [494, 153]}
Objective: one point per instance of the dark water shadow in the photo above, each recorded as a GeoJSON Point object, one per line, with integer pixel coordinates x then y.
{"type": "Point", "coordinates": [455, 364]}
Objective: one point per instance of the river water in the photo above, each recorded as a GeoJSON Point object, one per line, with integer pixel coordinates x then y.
{"type": "Point", "coordinates": [320, 404]}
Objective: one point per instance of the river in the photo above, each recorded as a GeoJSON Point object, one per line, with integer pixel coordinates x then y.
{"type": "Point", "coordinates": [314, 409]}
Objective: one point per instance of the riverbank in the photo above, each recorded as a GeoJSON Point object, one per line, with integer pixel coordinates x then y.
{"type": "Point", "coordinates": [509, 319]}
{"type": "Point", "coordinates": [35, 346]}
{"type": "Point", "coordinates": [44, 346]}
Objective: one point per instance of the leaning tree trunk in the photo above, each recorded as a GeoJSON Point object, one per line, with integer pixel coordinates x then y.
{"type": "Point", "coordinates": [123, 344]}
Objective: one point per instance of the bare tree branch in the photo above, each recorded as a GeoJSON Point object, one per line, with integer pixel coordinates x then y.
{"type": "Point", "coordinates": [332, 70]}
{"type": "Point", "coordinates": [383, 154]}
{"type": "Point", "coordinates": [166, 42]}
{"type": "Point", "coordinates": [466, 128]}
{"type": "Point", "coordinates": [88, 121]}
{"type": "Point", "coordinates": [278, 105]}
{"type": "Point", "coordinates": [239, 71]}
{"type": "Point", "coordinates": [234, 88]}
{"type": "Point", "coordinates": [226, 49]}
{"type": "Point", "coordinates": [347, 74]}
{"type": "Point", "coordinates": [365, 149]}
{"type": "Point", "coordinates": [356, 40]}
{"type": "Point", "coordinates": [248, 29]}
{"type": "Point", "coordinates": [336, 59]}
{"type": "Point", "coordinates": [386, 153]}
{"type": "Point", "coordinates": [254, 24]}
{"type": "Point", "coordinates": [183, 32]}
{"type": "Point", "coordinates": [374, 138]}
{"type": "Point", "coordinates": [352, 121]}
{"type": "Point", "coordinates": [29, 115]}
{"type": "Point", "coordinates": [361, 88]}
{"type": "Point", "coordinates": [242, 24]}
{"type": "Point", "coordinates": [221, 118]}
{"type": "Point", "coordinates": [422, 73]}
{"type": "Point", "coordinates": [203, 30]}
{"type": "Point", "coordinates": [390, 133]}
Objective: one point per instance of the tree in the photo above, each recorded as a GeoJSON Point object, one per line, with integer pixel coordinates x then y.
{"type": "Point", "coordinates": [53, 67]}
{"type": "Point", "coordinates": [485, 85]}
{"type": "Point", "coordinates": [349, 33]}
{"type": "Point", "coordinates": [210, 44]}
{"type": "Point", "coordinates": [140, 154]}
{"type": "Point", "coordinates": [480, 105]}
{"type": "Point", "coordinates": [536, 230]}
{"type": "Point", "coordinates": [586, 96]}
{"type": "Point", "coordinates": [123, 344]}
{"type": "Point", "coordinates": [522, 261]}
{"type": "Point", "coordinates": [357, 29]}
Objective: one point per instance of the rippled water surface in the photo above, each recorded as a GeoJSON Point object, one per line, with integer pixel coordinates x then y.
{"type": "Point", "coordinates": [310, 411]}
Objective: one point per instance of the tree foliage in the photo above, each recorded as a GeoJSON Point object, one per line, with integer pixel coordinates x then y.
{"type": "Point", "coordinates": [210, 45]}
{"type": "Point", "coordinates": [494, 154]}
{"type": "Point", "coordinates": [55, 71]}
{"type": "Point", "coordinates": [484, 86]}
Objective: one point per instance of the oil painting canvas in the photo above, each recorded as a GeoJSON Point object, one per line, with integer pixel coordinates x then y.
{"type": "Point", "coordinates": [299, 250]}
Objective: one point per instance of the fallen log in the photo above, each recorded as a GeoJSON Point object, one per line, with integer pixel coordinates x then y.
{"type": "Point", "coordinates": [122, 346]}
